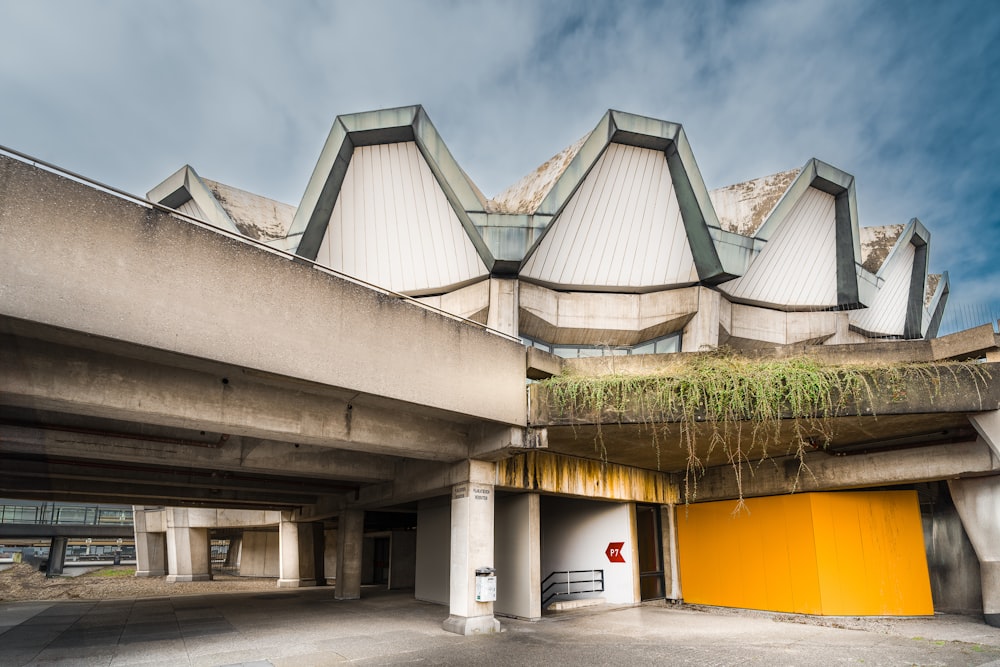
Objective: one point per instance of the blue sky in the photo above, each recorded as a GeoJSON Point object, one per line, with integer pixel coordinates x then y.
{"type": "Point", "coordinates": [903, 95]}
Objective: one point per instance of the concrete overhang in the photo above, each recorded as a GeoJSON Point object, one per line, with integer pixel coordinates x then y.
{"type": "Point", "coordinates": [917, 411]}
{"type": "Point", "coordinates": [76, 258]}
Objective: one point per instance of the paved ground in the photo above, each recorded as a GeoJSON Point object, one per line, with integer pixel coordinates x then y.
{"type": "Point", "coordinates": [307, 627]}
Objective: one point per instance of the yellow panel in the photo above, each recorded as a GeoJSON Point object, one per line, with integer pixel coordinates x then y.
{"type": "Point", "coordinates": [761, 559]}
{"type": "Point", "coordinates": [857, 553]}
{"type": "Point", "coordinates": [871, 557]}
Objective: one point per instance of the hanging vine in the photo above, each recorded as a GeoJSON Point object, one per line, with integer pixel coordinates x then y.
{"type": "Point", "coordinates": [743, 402]}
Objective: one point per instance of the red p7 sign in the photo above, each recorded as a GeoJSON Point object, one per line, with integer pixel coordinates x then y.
{"type": "Point", "coordinates": [614, 552]}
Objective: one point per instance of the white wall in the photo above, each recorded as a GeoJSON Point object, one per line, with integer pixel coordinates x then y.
{"type": "Point", "coordinates": [516, 556]}
{"type": "Point", "coordinates": [433, 550]}
{"type": "Point", "coordinates": [575, 535]}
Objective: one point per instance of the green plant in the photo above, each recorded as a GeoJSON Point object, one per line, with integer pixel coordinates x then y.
{"type": "Point", "coordinates": [742, 403]}
{"type": "Point", "coordinates": [113, 572]}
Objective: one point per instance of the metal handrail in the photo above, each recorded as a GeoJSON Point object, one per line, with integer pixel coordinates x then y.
{"type": "Point", "coordinates": [595, 580]}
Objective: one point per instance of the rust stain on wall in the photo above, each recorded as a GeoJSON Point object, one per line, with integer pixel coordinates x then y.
{"type": "Point", "coordinates": [555, 473]}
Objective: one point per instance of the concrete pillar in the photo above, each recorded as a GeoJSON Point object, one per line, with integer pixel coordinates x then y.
{"type": "Point", "coordinates": [57, 556]}
{"type": "Point", "coordinates": [671, 572]}
{"type": "Point", "coordinates": [978, 503]}
{"type": "Point", "coordinates": [187, 549]}
{"type": "Point", "coordinates": [330, 555]}
{"type": "Point", "coordinates": [150, 554]}
{"type": "Point", "coordinates": [150, 541]}
{"type": "Point", "coordinates": [471, 548]}
{"type": "Point", "coordinates": [504, 304]}
{"type": "Point", "coordinates": [350, 542]}
{"type": "Point", "coordinates": [297, 553]}
{"type": "Point", "coordinates": [233, 552]}
{"type": "Point", "coordinates": [702, 332]}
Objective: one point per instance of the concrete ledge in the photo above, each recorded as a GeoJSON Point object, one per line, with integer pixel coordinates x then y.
{"type": "Point", "coordinates": [565, 605]}
{"type": "Point", "coordinates": [181, 578]}
{"type": "Point", "coordinates": [476, 625]}
{"type": "Point", "coordinates": [150, 573]}
{"type": "Point", "coordinates": [296, 583]}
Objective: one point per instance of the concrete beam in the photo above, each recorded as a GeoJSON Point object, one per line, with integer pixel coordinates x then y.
{"type": "Point", "coordinates": [48, 376]}
{"type": "Point", "coordinates": [987, 425]}
{"type": "Point", "coordinates": [236, 454]}
{"type": "Point", "coordinates": [497, 442]}
{"type": "Point", "coordinates": [82, 259]}
{"type": "Point", "coordinates": [567, 475]}
{"type": "Point", "coordinates": [824, 472]}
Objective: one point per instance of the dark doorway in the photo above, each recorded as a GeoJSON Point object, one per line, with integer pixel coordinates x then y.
{"type": "Point", "coordinates": [380, 560]}
{"type": "Point", "coordinates": [651, 582]}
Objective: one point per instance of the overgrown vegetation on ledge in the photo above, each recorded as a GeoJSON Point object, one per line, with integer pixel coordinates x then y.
{"type": "Point", "coordinates": [741, 403]}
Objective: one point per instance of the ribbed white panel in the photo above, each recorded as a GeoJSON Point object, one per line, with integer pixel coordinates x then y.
{"type": "Point", "coordinates": [192, 209]}
{"type": "Point", "coordinates": [392, 225]}
{"type": "Point", "coordinates": [622, 228]}
{"type": "Point", "coordinates": [798, 265]}
{"type": "Point", "coordinates": [887, 313]}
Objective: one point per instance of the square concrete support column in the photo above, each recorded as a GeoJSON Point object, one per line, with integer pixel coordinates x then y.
{"type": "Point", "coordinates": [350, 541]}
{"type": "Point", "coordinates": [150, 541]}
{"type": "Point", "coordinates": [297, 553]}
{"type": "Point", "coordinates": [671, 572]}
{"type": "Point", "coordinates": [504, 303]}
{"type": "Point", "coordinates": [978, 503]}
{"type": "Point", "coordinates": [233, 552]}
{"type": "Point", "coordinates": [57, 556]}
{"type": "Point", "coordinates": [471, 548]}
{"type": "Point", "coordinates": [187, 550]}
{"type": "Point", "coordinates": [150, 554]}
{"type": "Point", "coordinates": [702, 332]}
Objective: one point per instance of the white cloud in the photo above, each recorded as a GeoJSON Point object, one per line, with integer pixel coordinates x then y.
{"type": "Point", "coordinates": [900, 96]}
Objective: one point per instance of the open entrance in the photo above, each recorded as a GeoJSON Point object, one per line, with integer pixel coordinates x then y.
{"type": "Point", "coordinates": [650, 547]}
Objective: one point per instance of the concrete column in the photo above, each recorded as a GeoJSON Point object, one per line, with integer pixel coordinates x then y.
{"type": "Point", "coordinates": [633, 536]}
{"type": "Point", "coordinates": [187, 549]}
{"type": "Point", "coordinates": [504, 303]}
{"type": "Point", "coordinates": [671, 571]}
{"type": "Point", "coordinates": [233, 553]}
{"type": "Point", "coordinates": [297, 553]}
{"type": "Point", "coordinates": [471, 548]}
{"type": "Point", "coordinates": [150, 554]}
{"type": "Point", "coordinates": [350, 542]}
{"type": "Point", "coordinates": [517, 553]}
{"type": "Point", "coordinates": [57, 556]}
{"type": "Point", "coordinates": [702, 332]}
{"type": "Point", "coordinates": [977, 500]}
{"type": "Point", "coordinates": [150, 542]}
{"type": "Point", "coordinates": [330, 555]}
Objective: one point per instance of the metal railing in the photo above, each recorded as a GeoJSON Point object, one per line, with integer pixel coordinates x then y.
{"type": "Point", "coordinates": [572, 582]}
{"type": "Point", "coordinates": [56, 514]}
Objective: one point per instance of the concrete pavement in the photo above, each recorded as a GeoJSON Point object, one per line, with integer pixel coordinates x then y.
{"type": "Point", "coordinates": [308, 627]}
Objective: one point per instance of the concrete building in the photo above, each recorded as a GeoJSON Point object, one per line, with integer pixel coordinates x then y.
{"type": "Point", "coordinates": [343, 383]}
